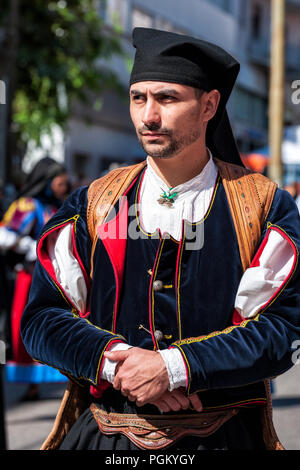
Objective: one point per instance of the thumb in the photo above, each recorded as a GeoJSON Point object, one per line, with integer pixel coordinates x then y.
{"type": "Point", "coordinates": [116, 356]}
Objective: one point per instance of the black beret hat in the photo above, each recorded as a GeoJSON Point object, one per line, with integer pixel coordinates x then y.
{"type": "Point", "coordinates": [169, 57]}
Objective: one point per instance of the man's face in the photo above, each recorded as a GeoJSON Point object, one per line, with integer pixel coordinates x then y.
{"type": "Point", "coordinates": [168, 117]}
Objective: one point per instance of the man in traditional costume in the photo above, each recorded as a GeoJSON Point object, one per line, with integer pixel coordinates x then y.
{"type": "Point", "coordinates": [168, 292]}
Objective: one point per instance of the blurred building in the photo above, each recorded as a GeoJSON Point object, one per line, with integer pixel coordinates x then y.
{"type": "Point", "coordinates": [242, 27]}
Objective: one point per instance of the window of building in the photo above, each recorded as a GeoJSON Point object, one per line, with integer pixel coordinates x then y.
{"type": "Point", "coordinates": [117, 13]}
{"type": "Point", "coordinates": [256, 21]}
{"type": "Point", "coordinates": [223, 4]}
{"type": "Point", "coordinates": [141, 19]}
{"type": "Point", "coordinates": [80, 165]}
{"type": "Point", "coordinates": [250, 108]}
{"type": "Point", "coordinates": [164, 25]}
{"type": "Point", "coordinates": [101, 6]}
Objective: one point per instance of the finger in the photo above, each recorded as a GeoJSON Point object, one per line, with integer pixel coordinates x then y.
{"type": "Point", "coordinates": [171, 401]}
{"type": "Point", "coordinates": [162, 406]}
{"type": "Point", "coordinates": [126, 389]}
{"type": "Point", "coordinates": [131, 397]}
{"type": "Point", "coordinates": [196, 402]}
{"type": "Point", "coordinates": [116, 356]}
{"type": "Point", "coordinates": [181, 398]}
{"type": "Point", "coordinates": [118, 365]}
{"type": "Point", "coordinates": [140, 402]}
{"type": "Point", "coordinates": [117, 382]}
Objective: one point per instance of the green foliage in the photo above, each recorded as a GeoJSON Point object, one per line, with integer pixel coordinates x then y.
{"type": "Point", "coordinates": [63, 52]}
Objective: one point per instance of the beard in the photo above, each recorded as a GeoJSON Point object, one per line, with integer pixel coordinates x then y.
{"type": "Point", "coordinates": [170, 149]}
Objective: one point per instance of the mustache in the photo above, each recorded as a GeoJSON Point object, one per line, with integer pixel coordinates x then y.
{"type": "Point", "coordinates": [154, 127]}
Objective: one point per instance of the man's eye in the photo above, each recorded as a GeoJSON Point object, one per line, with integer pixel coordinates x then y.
{"type": "Point", "coordinates": [137, 98]}
{"type": "Point", "coordinates": [167, 98]}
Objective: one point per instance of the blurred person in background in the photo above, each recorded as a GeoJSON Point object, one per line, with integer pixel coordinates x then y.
{"type": "Point", "coordinates": [291, 161]}
{"type": "Point", "coordinates": [1, 199]}
{"type": "Point", "coordinates": [41, 196]}
{"type": "Point", "coordinates": [291, 182]}
{"type": "Point", "coordinates": [297, 198]}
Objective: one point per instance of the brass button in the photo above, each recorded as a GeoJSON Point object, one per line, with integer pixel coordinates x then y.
{"type": "Point", "coordinates": [158, 285]}
{"type": "Point", "coordinates": [158, 335]}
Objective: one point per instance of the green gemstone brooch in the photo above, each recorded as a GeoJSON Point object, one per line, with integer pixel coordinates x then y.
{"type": "Point", "coordinates": [167, 198]}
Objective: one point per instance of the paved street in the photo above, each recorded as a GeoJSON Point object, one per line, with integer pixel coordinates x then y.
{"type": "Point", "coordinates": [286, 405]}
{"type": "Point", "coordinates": [27, 424]}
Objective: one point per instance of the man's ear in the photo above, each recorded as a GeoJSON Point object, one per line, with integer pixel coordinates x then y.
{"type": "Point", "coordinates": [210, 102]}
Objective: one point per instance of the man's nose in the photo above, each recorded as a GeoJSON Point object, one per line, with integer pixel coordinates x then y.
{"type": "Point", "coordinates": [151, 113]}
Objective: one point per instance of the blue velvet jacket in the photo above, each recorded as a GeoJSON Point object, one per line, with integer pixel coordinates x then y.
{"type": "Point", "coordinates": [226, 360]}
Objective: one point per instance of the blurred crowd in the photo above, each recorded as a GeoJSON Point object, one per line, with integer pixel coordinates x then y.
{"type": "Point", "coordinates": [259, 161]}
{"type": "Point", "coordinates": [24, 211]}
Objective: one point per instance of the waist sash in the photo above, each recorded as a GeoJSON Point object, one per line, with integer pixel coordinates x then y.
{"type": "Point", "coordinates": [159, 431]}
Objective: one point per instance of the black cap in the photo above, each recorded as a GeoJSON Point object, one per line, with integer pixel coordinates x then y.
{"type": "Point", "coordinates": [175, 58]}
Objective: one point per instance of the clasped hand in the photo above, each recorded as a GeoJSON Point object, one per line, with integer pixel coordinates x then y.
{"type": "Point", "coordinates": [142, 377]}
